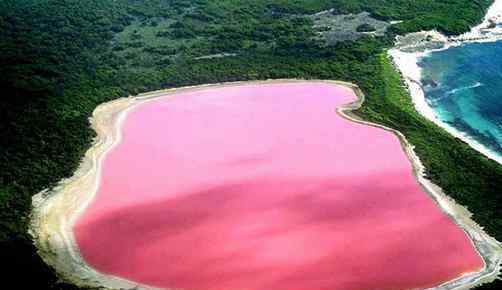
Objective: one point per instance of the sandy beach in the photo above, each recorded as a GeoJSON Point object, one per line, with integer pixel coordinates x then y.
{"type": "Point", "coordinates": [55, 212]}
{"type": "Point", "coordinates": [406, 61]}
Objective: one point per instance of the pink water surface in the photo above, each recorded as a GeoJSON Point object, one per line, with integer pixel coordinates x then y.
{"type": "Point", "coordinates": [265, 187]}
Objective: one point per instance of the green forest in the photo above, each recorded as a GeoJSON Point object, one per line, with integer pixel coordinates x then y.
{"type": "Point", "coordinates": [59, 59]}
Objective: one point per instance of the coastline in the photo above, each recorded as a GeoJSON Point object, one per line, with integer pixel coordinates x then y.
{"type": "Point", "coordinates": [54, 212]}
{"type": "Point", "coordinates": [405, 58]}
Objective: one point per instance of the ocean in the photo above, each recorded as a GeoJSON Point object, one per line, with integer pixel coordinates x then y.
{"type": "Point", "coordinates": [463, 85]}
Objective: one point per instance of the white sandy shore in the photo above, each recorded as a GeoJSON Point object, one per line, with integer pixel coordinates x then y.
{"type": "Point", "coordinates": [406, 62]}
{"type": "Point", "coordinates": [55, 212]}
{"type": "Point", "coordinates": [479, 32]}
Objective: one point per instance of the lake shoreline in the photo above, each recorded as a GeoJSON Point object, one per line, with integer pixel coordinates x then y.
{"type": "Point", "coordinates": [55, 212]}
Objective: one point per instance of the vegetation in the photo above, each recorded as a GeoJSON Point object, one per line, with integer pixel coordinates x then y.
{"type": "Point", "coordinates": [449, 17]}
{"type": "Point", "coordinates": [59, 59]}
{"type": "Point", "coordinates": [365, 27]}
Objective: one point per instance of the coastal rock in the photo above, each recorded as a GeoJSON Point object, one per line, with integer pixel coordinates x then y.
{"type": "Point", "coordinates": [430, 83]}
{"type": "Point", "coordinates": [421, 41]}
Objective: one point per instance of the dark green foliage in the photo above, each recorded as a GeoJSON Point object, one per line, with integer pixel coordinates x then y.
{"type": "Point", "coordinates": [450, 17]}
{"type": "Point", "coordinates": [59, 59]}
{"type": "Point", "coordinates": [365, 27]}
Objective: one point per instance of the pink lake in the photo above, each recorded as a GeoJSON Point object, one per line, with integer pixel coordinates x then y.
{"type": "Point", "coordinates": [265, 186]}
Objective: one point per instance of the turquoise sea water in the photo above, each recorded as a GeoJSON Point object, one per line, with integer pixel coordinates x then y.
{"type": "Point", "coordinates": [463, 85]}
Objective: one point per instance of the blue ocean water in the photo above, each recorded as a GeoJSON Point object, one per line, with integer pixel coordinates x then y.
{"type": "Point", "coordinates": [463, 85]}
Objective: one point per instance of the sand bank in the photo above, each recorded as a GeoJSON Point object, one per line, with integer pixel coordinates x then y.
{"type": "Point", "coordinates": [56, 211]}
